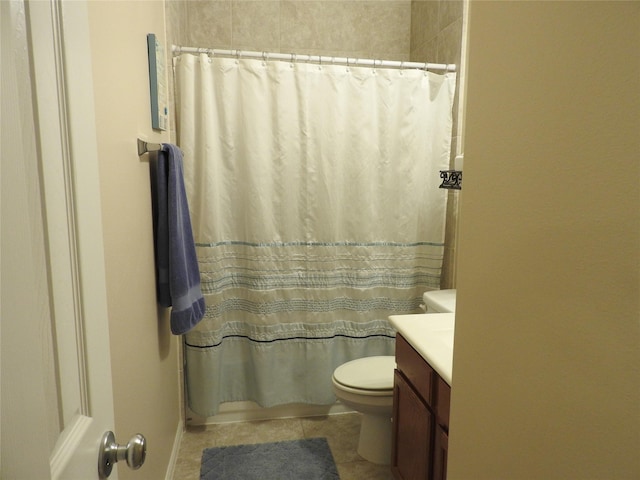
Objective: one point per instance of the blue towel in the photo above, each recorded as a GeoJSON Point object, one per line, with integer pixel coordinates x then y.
{"type": "Point", "coordinates": [178, 275]}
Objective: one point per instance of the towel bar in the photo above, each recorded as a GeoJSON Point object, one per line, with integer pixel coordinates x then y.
{"type": "Point", "coordinates": [144, 147]}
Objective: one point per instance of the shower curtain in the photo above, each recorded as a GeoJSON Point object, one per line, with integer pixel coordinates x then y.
{"type": "Point", "coordinates": [316, 212]}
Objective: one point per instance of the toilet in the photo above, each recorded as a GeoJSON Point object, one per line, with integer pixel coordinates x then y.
{"type": "Point", "coordinates": [439, 301]}
{"type": "Point", "coordinates": [366, 386]}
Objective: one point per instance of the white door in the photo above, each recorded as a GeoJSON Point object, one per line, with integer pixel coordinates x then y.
{"type": "Point", "coordinates": [57, 397]}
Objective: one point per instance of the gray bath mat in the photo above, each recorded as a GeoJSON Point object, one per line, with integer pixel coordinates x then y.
{"type": "Point", "coordinates": [308, 459]}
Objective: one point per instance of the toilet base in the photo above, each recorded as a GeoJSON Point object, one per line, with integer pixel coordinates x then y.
{"type": "Point", "coordinates": [374, 444]}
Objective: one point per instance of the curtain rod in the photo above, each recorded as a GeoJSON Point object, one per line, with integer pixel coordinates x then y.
{"type": "Point", "coordinates": [293, 57]}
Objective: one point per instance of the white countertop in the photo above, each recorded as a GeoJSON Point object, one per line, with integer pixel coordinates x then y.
{"type": "Point", "coordinates": [431, 334]}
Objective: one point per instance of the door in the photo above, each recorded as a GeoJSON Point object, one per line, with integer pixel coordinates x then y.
{"type": "Point", "coordinates": [57, 400]}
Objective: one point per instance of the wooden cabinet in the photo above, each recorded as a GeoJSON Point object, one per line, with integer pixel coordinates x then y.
{"type": "Point", "coordinates": [441, 432]}
{"type": "Point", "coordinates": [440, 448]}
{"type": "Point", "coordinates": [412, 441]}
{"type": "Point", "coordinates": [421, 400]}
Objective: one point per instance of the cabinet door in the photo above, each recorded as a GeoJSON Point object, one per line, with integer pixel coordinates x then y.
{"type": "Point", "coordinates": [441, 449]}
{"type": "Point", "coordinates": [412, 433]}
{"type": "Point", "coordinates": [443, 403]}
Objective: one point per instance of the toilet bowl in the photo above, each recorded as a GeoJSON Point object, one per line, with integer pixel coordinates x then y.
{"type": "Point", "coordinates": [366, 386]}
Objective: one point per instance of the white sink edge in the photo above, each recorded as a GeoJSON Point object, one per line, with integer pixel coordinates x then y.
{"type": "Point", "coordinates": [432, 336]}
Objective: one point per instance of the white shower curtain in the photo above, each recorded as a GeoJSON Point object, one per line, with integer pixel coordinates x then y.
{"type": "Point", "coordinates": [316, 212]}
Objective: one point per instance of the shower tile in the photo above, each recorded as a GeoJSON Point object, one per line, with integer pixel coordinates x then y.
{"type": "Point", "coordinates": [450, 43]}
{"type": "Point", "coordinates": [417, 25]}
{"type": "Point", "coordinates": [387, 26]}
{"type": "Point", "coordinates": [427, 52]}
{"type": "Point", "coordinates": [449, 11]}
{"type": "Point", "coordinates": [323, 25]}
{"type": "Point", "coordinates": [300, 28]}
{"type": "Point", "coordinates": [256, 25]}
{"type": "Point", "coordinates": [210, 23]}
{"type": "Point", "coordinates": [399, 57]}
{"type": "Point", "coordinates": [431, 48]}
{"type": "Point", "coordinates": [424, 21]}
{"type": "Point", "coordinates": [176, 14]}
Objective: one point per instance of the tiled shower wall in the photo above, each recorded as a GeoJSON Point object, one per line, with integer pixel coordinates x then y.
{"type": "Point", "coordinates": [365, 29]}
{"type": "Point", "coordinates": [383, 29]}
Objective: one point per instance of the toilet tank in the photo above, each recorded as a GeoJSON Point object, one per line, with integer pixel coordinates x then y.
{"type": "Point", "coordinates": [440, 301]}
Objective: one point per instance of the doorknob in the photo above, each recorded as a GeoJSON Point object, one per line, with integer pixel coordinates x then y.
{"type": "Point", "coordinates": [133, 452]}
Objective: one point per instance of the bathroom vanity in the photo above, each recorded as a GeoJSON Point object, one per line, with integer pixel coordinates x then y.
{"type": "Point", "coordinates": [422, 392]}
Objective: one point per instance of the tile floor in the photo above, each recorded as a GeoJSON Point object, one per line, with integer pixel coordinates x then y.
{"type": "Point", "coordinates": [341, 431]}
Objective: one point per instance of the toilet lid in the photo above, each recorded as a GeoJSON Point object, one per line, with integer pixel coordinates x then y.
{"type": "Point", "coordinates": [369, 373]}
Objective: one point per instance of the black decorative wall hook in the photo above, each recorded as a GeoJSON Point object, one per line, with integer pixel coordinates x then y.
{"type": "Point", "coordinates": [451, 179]}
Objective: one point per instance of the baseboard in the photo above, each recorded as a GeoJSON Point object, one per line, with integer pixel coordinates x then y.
{"type": "Point", "coordinates": [171, 467]}
{"type": "Point", "coordinates": [250, 411]}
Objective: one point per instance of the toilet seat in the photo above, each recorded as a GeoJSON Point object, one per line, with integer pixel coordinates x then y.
{"type": "Point", "coordinates": [367, 376]}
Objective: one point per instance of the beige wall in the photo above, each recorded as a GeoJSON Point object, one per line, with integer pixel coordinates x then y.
{"type": "Point", "coordinates": [143, 352]}
{"type": "Point", "coordinates": [546, 375]}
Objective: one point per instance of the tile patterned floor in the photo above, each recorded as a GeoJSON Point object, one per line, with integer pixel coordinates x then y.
{"type": "Point", "coordinates": [341, 431]}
